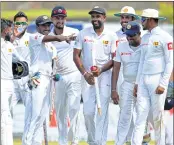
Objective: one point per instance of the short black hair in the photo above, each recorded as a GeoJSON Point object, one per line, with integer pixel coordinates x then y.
{"type": "Point", "coordinates": [20, 14]}
{"type": "Point", "coordinates": [5, 23]}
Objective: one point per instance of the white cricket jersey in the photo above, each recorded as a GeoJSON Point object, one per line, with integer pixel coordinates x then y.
{"type": "Point", "coordinates": [103, 45]}
{"type": "Point", "coordinates": [41, 54]}
{"type": "Point", "coordinates": [21, 45]}
{"type": "Point", "coordinates": [157, 56]}
{"type": "Point", "coordinates": [7, 53]}
{"type": "Point", "coordinates": [65, 63]}
{"type": "Point", "coordinates": [121, 36]}
{"type": "Point", "coordinates": [129, 59]}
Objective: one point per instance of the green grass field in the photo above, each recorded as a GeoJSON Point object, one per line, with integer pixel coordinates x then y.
{"type": "Point", "coordinates": [18, 142]}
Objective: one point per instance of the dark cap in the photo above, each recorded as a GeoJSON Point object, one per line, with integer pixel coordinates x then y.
{"type": "Point", "coordinates": [99, 10]}
{"type": "Point", "coordinates": [132, 28]}
{"type": "Point", "coordinates": [59, 10]}
{"type": "Point", "coordinates": [43, 20]}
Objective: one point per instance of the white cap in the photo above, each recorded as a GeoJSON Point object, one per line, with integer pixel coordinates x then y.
{"type": "Point", "coordinates": [151, 13]}
{"type": "Point", "coordinates": [127, 10]}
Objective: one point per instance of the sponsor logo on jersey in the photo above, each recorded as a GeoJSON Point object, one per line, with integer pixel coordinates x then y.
{"type": "Point", "coordinates": [125, 53]}
{"type": "Point", "coordinates": [88, 40]}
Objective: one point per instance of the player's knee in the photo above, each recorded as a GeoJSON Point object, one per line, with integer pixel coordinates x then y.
{"type": "Point", "coordinates": [6, 119]}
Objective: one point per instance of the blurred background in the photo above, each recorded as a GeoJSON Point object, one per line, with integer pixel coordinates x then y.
{"type": "Point", "coordinates": [79, 10]}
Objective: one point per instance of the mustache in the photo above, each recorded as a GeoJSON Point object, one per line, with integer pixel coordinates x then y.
{"type": "Point", "coordinates": [46, 30]}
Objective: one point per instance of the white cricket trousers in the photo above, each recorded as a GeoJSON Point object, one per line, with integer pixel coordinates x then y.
{"type": "Point", "coordinates": [6, 119]}
{"type": "Point", "coordinates": [96, 125]}
{"type": "Point", "coordinates": [22, 92]}
{"type": "Point", "coordinates": [40, 103]}
{"type": "Point", "coordinates": [120, 80]}
{"type": "Point", "coordinates": [127, 106]}
{"type": "Point", "coordinates": [146, 99]}
{"type": "Point", "coordinates": [67, 105]}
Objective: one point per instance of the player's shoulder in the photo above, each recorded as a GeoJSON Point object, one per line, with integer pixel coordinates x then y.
{"type": "Point", "coordinates": [165, 34]}
{"type": "Point", "coordinates": [87, 30]}
{"type": "Point", "coordinates": [109, 32]}
{"type": "Point", "coordinates": [72, 30]}
{"type": "Point", "coordinates": [9, 45]}
{"type": "Point", "coordinates": [123, 45]}
{"type": "Point", "coordinates": [35, 36]}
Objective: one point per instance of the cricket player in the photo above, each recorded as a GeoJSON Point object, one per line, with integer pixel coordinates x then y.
{"type": "Point", "coordinates": [68, 89]}
{"type": "Point", "coordinates": [127, 55]}
{"type": "Point", "coordinates": [7, 87]}
{"type": "Point", "coordinates": [155, 68]}
{"type": "Point", "coordinates": [126, 15]}
{"type": "Point", "coordinates": [42, 53]}
{"type": "Point", "coordinates": [95, 44]}
{"type": "Point", "coordinates": [20, 39]}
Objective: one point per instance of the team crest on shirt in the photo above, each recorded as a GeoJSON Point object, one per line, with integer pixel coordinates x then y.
{"type": "Point", "coordinates": [9, 50]}
{"type": "Point", "coordinates": [170, 46]}
{"type": "Point", "coordinates": [105, 42]}
{"type": "Point", "coordinates": [26, 43]}
{"type": "Point", "coordinates": [155, 43]}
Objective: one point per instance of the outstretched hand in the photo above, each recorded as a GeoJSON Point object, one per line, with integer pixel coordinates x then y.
{"type": "Point", "coordinates": [70, 38]}
{"type": "Point", "coordinates": [16, 31]}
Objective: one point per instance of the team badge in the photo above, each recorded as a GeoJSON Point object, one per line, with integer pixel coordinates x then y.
{"type": "Point", "coordinates": [170, 46]}
{"type": "Point", "coordinates": [128, 26]}
{"type": "Point", "coordinates": [45, 17]}
{"type": "Point", "coordinates": [59, 11]}
{"type": "Point", "coordinates": [9, 50]}
{"type": "Point", "coordinates": [26, 43]}
{"type": "Point", "coordinates": [125, 10]}
{"type": "Point", "coordinates": [105, 42]}
{"type": "Point", "coordinates": [155, 43]}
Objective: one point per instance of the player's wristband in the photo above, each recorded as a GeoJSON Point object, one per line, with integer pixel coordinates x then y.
{"type": "Point", "coordinates": [84, 73]}
{"type": "Point", "coordinates": [113, 90]}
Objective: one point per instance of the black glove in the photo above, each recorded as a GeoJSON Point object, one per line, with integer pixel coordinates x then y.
{"type": "Point", "coordinates": [169, 103]}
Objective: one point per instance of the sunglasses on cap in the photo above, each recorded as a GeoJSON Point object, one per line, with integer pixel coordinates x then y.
{"type": "Point", "coordinates": [20, 23]}
{"type": "Point", "coordinates": [143, 19]}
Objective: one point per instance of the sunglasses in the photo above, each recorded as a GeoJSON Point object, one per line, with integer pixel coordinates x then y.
{"type": "Point", "coordinates": [143, 19]}
{"type": "Point", "coordinates": [20, 23]}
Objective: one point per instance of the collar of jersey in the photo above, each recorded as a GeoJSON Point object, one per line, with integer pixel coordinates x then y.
{"type": "Point", "coordinates": [104, 31]}
{"type": "Point", "coordinates": [52, 30]}
{"type": "Point", "coordinates": [155, 30]}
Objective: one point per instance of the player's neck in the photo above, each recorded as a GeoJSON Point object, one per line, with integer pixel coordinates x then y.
{"type": "Point", "coordinates": [152, 27]}
{"type": "Point", "coordinates": [58, 31]}
{"type": "Point", "coordinates": [99, 31]}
